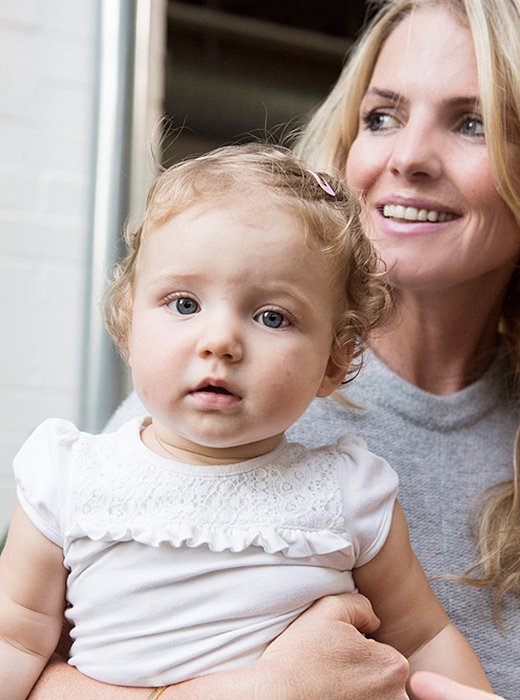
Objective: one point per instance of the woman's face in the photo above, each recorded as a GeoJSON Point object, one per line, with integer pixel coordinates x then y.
{"type": "Point", "coordinates": [421, 162]}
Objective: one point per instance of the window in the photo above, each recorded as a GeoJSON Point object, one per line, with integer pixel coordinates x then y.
{"type": "Point", "coordinates": [239, 69]}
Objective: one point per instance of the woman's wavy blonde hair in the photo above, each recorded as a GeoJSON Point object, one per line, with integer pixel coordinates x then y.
{"type": "Point", "coordinates": [325, 143]}
{"type": "Point", "coordinates": [330, 221]}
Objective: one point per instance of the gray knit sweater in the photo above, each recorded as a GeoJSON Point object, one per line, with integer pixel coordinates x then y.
{"type": "Point", "coordinates": [446, 450]}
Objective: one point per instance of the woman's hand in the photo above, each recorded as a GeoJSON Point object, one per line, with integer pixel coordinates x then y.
{"type": "Point", "coordinates": [323, 654]}
{"type": "Point", "coordinates": [430, 686]}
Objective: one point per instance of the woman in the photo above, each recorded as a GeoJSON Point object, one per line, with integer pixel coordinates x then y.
{"type": "Point", "coordinates": [405, 125]}
{"type": "Point", "coordinates": [442, 198]}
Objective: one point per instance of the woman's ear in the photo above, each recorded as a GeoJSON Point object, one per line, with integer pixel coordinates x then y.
{"type": "Point", "coordinates": [337, 367]}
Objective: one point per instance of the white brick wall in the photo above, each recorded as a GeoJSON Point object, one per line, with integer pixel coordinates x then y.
{"type": "Point", "coordinates": [47, 63]}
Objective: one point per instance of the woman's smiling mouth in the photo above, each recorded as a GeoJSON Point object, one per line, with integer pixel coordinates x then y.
{"type": "Point", "coordinates": [402, 213]}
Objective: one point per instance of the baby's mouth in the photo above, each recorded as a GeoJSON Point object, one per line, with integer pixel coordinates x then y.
{"type": "Point", "coordinates": [215, 395]}
{"type": "Point", "coordinates": [213, 390]}
{"type": "Point", "coordinates": [216, 387]}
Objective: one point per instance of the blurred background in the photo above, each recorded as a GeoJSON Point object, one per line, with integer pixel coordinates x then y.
{"type": "Point", "coordinates": [94, 96]}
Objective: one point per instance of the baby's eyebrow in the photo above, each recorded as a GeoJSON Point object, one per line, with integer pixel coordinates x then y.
{"type": "Point", "coordinates": [172, 277]}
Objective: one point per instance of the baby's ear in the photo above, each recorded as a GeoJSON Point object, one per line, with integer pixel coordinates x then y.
{"type": "Point", "coordinates": [337, 367]}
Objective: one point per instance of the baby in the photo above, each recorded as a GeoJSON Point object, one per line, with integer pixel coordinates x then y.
{"type": "Point", "coordinates": [187, 540]}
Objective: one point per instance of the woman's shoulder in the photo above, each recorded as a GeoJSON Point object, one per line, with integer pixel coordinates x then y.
{"type": "Point", "coordinates": [131, 407]}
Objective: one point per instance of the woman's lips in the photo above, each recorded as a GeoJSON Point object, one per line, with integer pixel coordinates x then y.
{"type": "Point", "coordinates": [414, 225]}
{"type": "Point", "coordinates": [400, 212]}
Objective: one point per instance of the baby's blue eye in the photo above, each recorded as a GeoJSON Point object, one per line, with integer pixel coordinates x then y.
{"type": "Point", "coordinates": [271, 319]}
{"type": "Point", "coordinates": [184, 306]}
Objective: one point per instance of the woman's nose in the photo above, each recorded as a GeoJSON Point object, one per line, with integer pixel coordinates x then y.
{"type": "Point", "coordinates": [220, 340]}
{"type": "Point", "coordinates": [416, 153]}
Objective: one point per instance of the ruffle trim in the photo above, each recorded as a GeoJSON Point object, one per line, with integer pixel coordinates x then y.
{"type": "Point", "coordinates": [291, 542]}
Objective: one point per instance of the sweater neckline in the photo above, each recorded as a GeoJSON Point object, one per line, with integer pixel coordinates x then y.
{"type": "Point", "coordinates": [377, 383]}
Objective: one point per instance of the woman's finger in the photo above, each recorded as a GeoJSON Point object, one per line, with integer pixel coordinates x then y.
{"type": "Point", "coordinates": [431, 686]}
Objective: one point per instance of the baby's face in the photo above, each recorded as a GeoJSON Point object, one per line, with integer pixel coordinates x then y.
{"type": "Point", "coordinates": [232, 329]}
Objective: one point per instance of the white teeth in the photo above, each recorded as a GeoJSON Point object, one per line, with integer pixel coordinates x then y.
{"type": "Point", "coordinates": [397, 211]}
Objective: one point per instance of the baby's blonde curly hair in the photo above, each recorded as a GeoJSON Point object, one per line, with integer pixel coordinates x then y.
{"type": "Point", "coordinates": [331, 224]}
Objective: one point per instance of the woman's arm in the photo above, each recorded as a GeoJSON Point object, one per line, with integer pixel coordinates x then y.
{"type": "Point", "coordinates": [321, 655]}
{"type": "Point", "coordinates": [412, 619]}
{"type": "Point", "coordinates": [32, 594]}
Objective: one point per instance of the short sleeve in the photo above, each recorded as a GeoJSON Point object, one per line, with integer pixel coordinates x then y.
{"type": "Point", "coordinates": [41, 473]}
{"type": "Point", "coordinates": [369, 490]}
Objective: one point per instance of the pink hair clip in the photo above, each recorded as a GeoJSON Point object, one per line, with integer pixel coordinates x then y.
{"type": "Point", "coordinates": [322, 183]}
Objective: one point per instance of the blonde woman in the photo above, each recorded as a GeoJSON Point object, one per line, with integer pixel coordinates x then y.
{"type": "Point", "coordinates": [425, 124]}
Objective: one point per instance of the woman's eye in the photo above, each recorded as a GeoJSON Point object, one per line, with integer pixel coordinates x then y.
{"type": "Point", "coordinates": [272, 319]}
{"type": "Point", "coordinates": [379, 121]}
{"type": "Point", "coordinates": [472, 126]}
{"type": "Point", "coordinates": [184, 306]}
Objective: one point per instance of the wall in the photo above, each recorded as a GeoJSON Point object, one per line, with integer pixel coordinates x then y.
{"type": "Point", "coordinates": [47, 69]}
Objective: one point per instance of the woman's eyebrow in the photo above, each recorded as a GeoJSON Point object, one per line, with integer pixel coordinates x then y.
{"type": "Point", "coordinates": [469, 101]}
{"type": "Point", "coordinates": [385, 94]}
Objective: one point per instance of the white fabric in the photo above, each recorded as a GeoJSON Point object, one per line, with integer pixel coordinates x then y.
{"type": "Point", "coordinates": [179, 570]}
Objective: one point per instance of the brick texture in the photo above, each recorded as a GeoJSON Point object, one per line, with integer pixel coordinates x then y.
{"type": "Point", "coordinates": [46, 135]}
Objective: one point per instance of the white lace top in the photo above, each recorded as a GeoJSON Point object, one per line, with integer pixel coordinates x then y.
{"type": "Point", "coordinates": [179, 570]}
